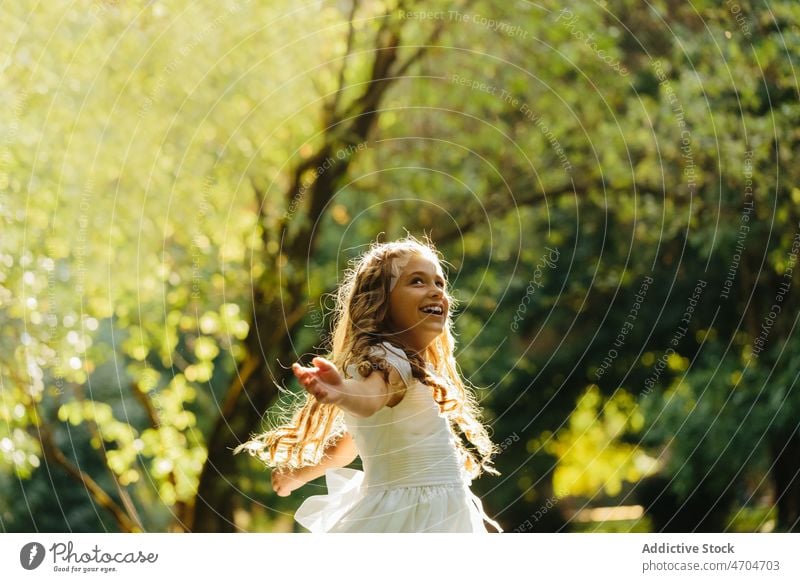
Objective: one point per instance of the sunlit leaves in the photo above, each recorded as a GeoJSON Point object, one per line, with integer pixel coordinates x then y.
{"type": "Point", "coordinates": [19, 454]}
{"type": "Point", "coordinates": [590, 455]}
{"type": "Point", "coordinates": [176, 459]}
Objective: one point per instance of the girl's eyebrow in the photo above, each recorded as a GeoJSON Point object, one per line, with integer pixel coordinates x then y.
{"type": "Point", "coordinates": [423, 273]}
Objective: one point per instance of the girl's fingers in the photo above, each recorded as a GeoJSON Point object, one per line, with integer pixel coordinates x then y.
{"type": "Point", "coordinates": [310, 384]}
{"type": "Point", "coordinates": [322, 363]}
{"type": "Point", "coordinates": [303, 372]}
{"type": "Point", "coordinates": [303, 376]}
{"type": "Point", "coordinates": [309, 380]}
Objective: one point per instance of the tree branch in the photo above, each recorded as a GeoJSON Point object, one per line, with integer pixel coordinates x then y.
{"type": "Point", "coordinates": [437, 31]}
{"type": "Point", "coordinates": [53, 453]}
{"type": "Point", "coordinates": [331, 107]}
{"type": "Point", "coordinates": [497, 209]}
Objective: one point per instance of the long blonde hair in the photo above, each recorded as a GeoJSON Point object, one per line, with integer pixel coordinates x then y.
{"type": "Point", "coordinates": [360, 322]}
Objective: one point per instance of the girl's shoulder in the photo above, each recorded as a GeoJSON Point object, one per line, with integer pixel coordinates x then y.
{"type": "Point", "coordinates": [393, 355]}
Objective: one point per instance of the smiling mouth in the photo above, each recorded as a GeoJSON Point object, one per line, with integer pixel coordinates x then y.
{"type": "Point", "coordinates": [433, 310]}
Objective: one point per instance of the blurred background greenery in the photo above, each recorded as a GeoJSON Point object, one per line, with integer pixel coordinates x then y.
{"type": "Point", "coordinates": [612, 184]}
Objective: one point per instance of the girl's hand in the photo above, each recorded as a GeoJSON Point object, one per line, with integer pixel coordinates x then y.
{"type": "Point", "coordinates": [323, 382]}
{"type": "Point", "coordinates": [286, 481]}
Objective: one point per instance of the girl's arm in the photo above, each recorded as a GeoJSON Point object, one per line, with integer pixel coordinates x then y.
{"type": "Point", "coordinates": [340, 454]}
{"type": "Point", "coordinates": [360, 398]}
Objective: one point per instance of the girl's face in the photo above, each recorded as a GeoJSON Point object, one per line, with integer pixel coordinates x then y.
{"type": "Point", "coordinates": [418, 305]}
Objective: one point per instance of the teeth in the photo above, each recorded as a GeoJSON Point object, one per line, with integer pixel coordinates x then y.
{"type": "Point", "coordinates": [433, 309]}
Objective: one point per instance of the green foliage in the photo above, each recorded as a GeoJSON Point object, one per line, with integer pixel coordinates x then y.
{"type": "Point", "coordinates": [147, 206]}
{"type": "Point", "coordinates": [590, 454]}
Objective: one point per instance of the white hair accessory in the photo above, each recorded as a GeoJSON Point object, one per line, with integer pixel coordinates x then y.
{"type": "Point", "coordinates": [398, 265]}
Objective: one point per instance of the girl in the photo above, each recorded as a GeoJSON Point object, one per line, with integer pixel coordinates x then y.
{"type": "Point", "coordinates": [398, 406]}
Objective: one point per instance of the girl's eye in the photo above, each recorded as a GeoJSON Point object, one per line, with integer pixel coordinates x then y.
{"type": "Point", "coordinates": [420, 280]}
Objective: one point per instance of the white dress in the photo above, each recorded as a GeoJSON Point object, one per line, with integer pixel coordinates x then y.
{"type": "Point", "coordinates": [412, 479]}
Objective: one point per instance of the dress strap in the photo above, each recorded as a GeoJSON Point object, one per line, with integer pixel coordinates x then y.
{"type": "Point", "coordinates": [394, 356]}
{"type": "Point", "coordinates": [397, 358]}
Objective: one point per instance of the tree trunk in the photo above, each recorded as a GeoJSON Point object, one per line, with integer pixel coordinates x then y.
{"type": "Point", "coordinates": [786, 478]}
{"type": "Point", "coordinates": [241, 415]}
{"type": "Point", "coordinates": [278, 311]}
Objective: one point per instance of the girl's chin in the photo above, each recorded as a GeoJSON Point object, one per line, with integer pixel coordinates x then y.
{"type": "Point", "coordinates": [434, 318]}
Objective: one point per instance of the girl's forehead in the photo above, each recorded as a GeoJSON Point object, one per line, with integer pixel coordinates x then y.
{"type": "Point", "coordinates": [424, 264]}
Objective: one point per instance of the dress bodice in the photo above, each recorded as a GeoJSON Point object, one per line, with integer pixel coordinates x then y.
{"type": "Point", "coordinates": [410, 443]}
